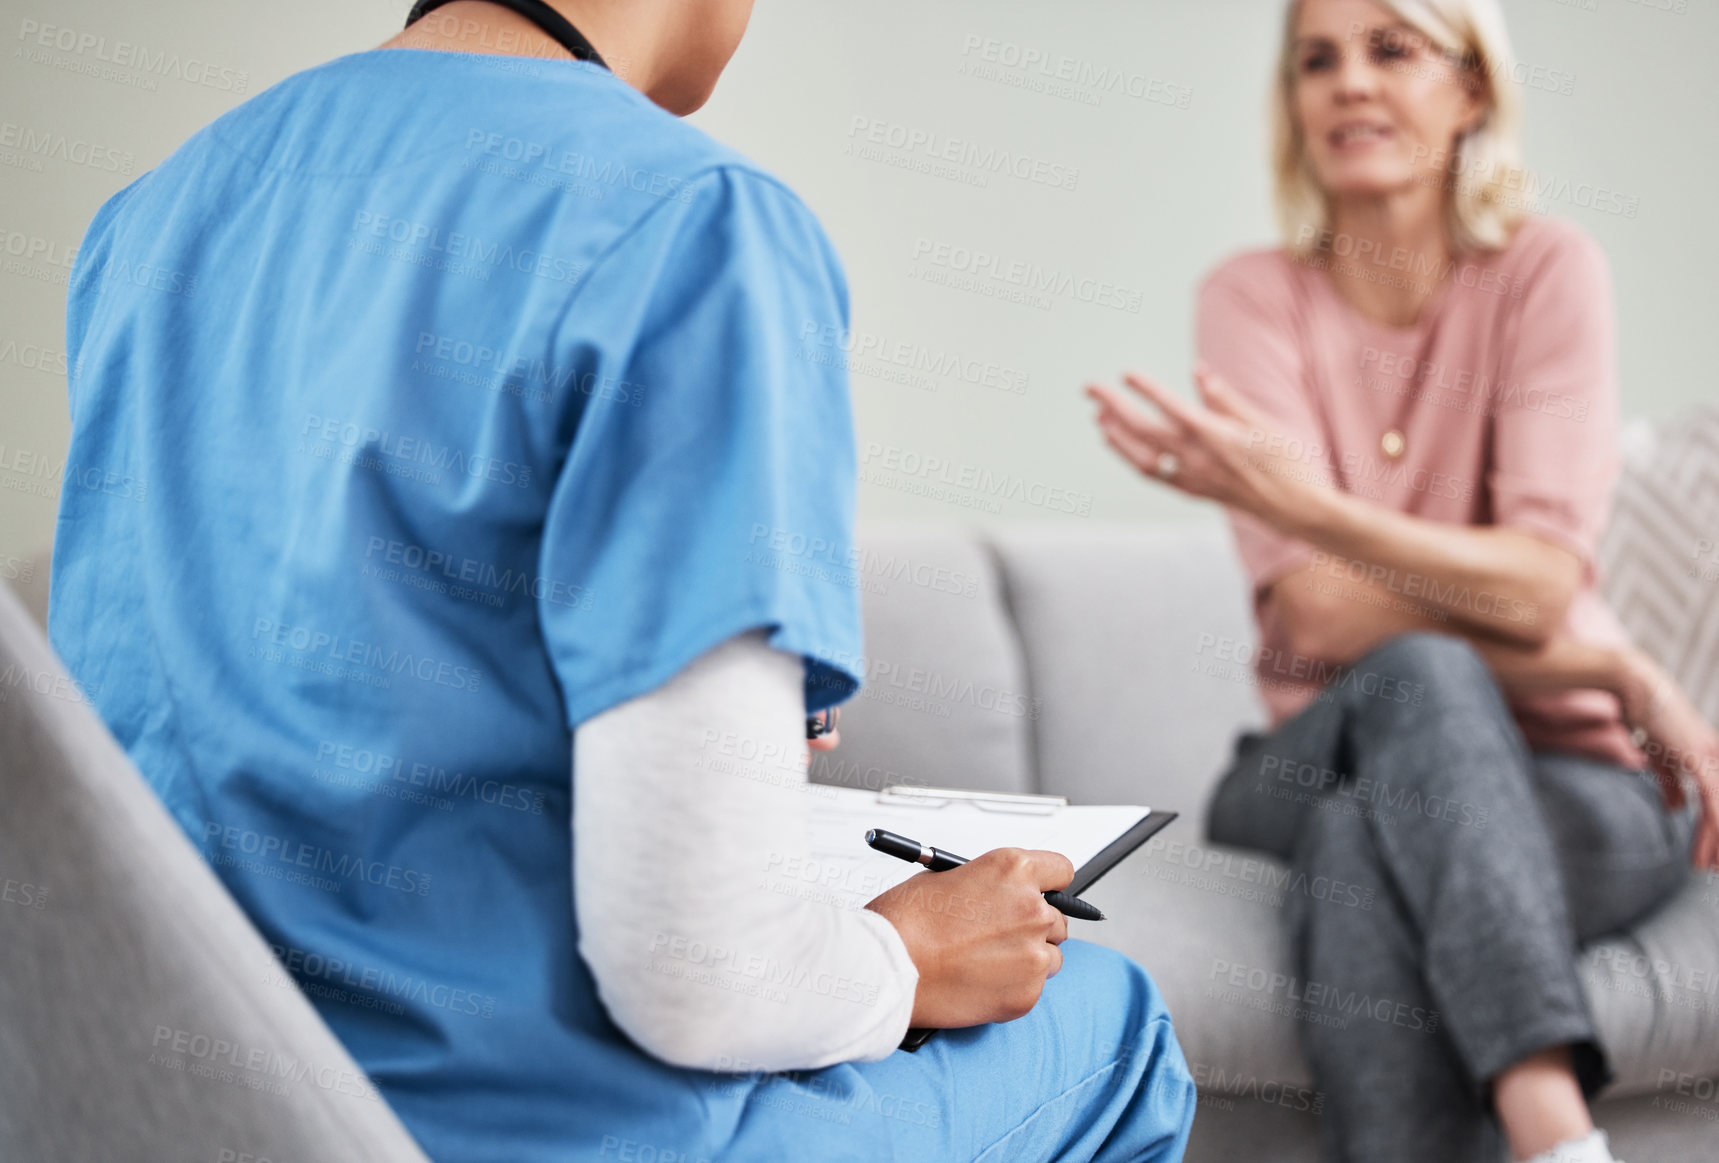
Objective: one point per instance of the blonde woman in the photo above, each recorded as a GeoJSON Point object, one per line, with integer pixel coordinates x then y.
{"type": "Point", "coordinates": [1410, 416]}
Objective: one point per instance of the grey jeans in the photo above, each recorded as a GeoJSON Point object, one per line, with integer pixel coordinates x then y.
{"type": "Point", "coordinates": [1485, 866]}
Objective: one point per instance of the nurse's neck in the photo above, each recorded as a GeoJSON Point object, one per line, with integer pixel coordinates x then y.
{"type": "Point", "coordinates": [672, 51]}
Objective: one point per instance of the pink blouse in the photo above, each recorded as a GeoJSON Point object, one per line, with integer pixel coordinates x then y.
{"type": "Point", "coordinates": [1499, 407]}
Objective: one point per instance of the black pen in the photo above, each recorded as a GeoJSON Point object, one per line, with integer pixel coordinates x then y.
{"type": "Point", "coordinates": [937, 860]}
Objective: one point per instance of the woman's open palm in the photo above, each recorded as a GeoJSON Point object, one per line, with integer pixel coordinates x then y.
{"type": "Point", "coordinates": [1226, 451]}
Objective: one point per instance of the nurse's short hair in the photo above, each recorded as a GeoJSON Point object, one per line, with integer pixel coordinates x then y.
{"type": "Point", "coordinates": [1485, 185]}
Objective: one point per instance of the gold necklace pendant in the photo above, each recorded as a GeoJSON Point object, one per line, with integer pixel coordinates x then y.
{"type": "Point", "coordinates": [1393, 443]}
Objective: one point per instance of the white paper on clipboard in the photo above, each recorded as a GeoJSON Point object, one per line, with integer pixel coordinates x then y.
{"type": "Point", "coordinates": [963, 822]}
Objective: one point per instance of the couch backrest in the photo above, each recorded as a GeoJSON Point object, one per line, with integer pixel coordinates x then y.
{"type": "Point", "coordinates": [1107, 663]}
{"type": "Point", "coordinates": [946, 699]}
{"type": "Point", "coordinates": [1138, 642]}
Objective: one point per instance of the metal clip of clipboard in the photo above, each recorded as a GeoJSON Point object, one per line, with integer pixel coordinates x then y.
{"type": "Point", "coordinates": [1020, 803]}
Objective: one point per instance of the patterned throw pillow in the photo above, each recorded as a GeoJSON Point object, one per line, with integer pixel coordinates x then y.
{"type": "Point", "coordinates": [1659, 557]}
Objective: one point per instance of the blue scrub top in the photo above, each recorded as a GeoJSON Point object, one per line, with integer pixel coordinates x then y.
{"type": "Point", "coordinates": [423, 407]}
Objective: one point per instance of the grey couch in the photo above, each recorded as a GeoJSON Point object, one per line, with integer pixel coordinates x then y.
{"type": "Point", "coordinates": [1106, 664]}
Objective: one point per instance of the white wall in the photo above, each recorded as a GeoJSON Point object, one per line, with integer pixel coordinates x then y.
{"type": "Point", "coordinates": [1168, 182]}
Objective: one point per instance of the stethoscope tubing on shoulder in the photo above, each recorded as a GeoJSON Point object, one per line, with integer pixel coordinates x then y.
{"type": "Point", "coordinates": [554, 25]}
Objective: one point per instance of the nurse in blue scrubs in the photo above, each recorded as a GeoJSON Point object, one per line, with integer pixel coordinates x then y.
{"type": "Point", "coordinates": [466, 448]}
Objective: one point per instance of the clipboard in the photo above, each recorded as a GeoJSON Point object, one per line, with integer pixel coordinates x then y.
{"type": "Point", "coordinates": [1095, 837]}
{"type": "Point", "coordinates": [970, 823]}
{"type": "Point", "coordinates": [1147, 827]}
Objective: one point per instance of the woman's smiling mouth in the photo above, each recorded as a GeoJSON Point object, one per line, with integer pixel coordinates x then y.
{"type": "Point", "coordinates": [1359, 135]}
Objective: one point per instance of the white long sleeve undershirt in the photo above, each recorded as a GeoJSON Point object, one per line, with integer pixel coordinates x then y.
{"type": "Point", "coordinates": [676, 835]}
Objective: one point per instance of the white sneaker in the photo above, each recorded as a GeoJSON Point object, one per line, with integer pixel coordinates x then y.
{"type": "Point", "coordinates": [1590, 1148]}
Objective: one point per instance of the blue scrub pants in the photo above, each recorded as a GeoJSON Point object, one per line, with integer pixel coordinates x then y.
{"type": "Point", "coordinates": [1092, 1073]}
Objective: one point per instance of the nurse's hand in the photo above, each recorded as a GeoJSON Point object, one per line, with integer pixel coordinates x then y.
{"type": "Point", "coordinates": [828, 741]}
{"type": "Point", "coordinates": [981, 935]}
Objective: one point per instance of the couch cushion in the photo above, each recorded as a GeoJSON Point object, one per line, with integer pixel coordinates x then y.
{"type": "Point", "coordinates": [1655, 994]}
{"type": "Point", "coordinates": [1191, 913]}
{"type": "Point", "coordinates": [1133, 635]}
{"type": "Point", "coordinates": [945, 700]}
{"type": "Point", "coordinates": [1194, 914]}
{"type": "Point", "coordinates": [1659, 556]}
